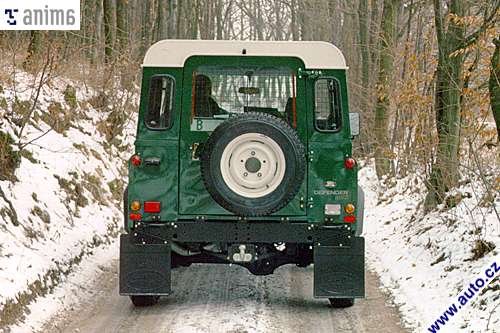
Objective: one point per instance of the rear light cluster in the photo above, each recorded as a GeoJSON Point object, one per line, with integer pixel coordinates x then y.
{"type": "Point", "coordinates": [152, 207]}
{"type": "Point", "coordinates": [349, 209]}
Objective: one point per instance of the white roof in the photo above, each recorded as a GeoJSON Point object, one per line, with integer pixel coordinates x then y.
{"type": "Point", "coordinates": [174, 52]}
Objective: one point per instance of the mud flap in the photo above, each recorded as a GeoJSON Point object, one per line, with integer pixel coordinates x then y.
{"type": "Point", "coordinates": [339, 271]}
{"type": "Point", "coordinates": [144, 269]}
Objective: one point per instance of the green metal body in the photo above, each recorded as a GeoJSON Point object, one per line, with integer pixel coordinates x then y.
{"type": "Point", "coordinates": [177, 182]}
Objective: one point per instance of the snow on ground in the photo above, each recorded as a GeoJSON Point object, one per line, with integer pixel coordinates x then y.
{"type": "Point", "coordinates": [425, 260]}
{"type": "Point", "coordinates": [75, 289]}
{"type": "Point", "coordinates": [68, 193]}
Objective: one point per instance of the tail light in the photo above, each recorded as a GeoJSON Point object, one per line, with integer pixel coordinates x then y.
{"type": "Point", "coordinates": [349, 163]}
{"type": "Point", "coordinates": [152, 207]}
{"type": "Point", "coordinates": [349, 219]}
{"type": "Point", "coordinates": [135, 216]}
{"type": "Point", "coordinates": [135, 160]}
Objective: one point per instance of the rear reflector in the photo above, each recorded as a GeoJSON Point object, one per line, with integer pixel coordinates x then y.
{"type": "Point", "coordinates": [349, 219]}
{"type": "Point", "coordinates": [135, 216]}
{"type": "Point", "coordinates": [152, 207]}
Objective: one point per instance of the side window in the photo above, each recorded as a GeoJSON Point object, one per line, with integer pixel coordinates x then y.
{"type": "Point", "coordinates": [327, 113]}
{"type": "Point", "coordinates": [160, 102]}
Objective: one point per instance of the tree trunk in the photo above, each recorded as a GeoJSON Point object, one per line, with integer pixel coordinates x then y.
{"type": "Point", "coordinates": [407, 41]}
{"type": "Point", "coordinates": [494, 85]}
{"type": "Point", "coordinates": [374, 33]}
{"type": "Point", "coordinates": [363, 97]}
{"type": "Point", "coordinates": [304, 31]}
{"type": "Point", "coordinates": [194, 19]}
{"type": "Point", "coordinates": [108, 31]}
{"type": "Point", "coordinates": [220, 23]}
{"type": "Point", "coordinates": [134, 24]}
{"type": "Point", "coordinates": [449, 82]}
{"type": "Point", "coordinates": [34, 49]}
{"type": "Point", "coordinates": [97, 48]}
{"type": "Point", "coordinates": [145, 32]}
{"type": "Point", "coordinates": [260, 22]}
{"type": "Point", "coordinates": [335, 15]}
{"type": "Point", "coordinates": [172, 18]}
{"type": "Point", "coordinates": [121, 25]}
{"type": "Point", "coordinates": [161, 20]}
{"type": "Point", "coordinates": [278, 29]}
{"type": "Point", "coordinates": [348, 34]}
{"type": "Point", "coordinates": [363, 45]}
{"type": "Point", "coordinates": [88, 33]}
{"type": "Point", "coordinates": [293, 20]}
{"type": "Point", "coordinates": [179, 26]}
{"type": "Point", "coordinates": [383, 155]}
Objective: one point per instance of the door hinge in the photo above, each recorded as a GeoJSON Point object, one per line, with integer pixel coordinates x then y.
{"type": "Point", "coordinates": [310, 74]}
{"type": "Point", "coordinates": [310, 156]}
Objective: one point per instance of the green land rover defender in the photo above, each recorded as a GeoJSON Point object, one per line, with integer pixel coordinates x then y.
{"type": "Point", "coordinates": [243, 156]}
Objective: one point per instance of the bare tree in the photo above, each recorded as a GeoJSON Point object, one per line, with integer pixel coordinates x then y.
{"type": "Point", "coordinates": [109, 14]}
{"type": "Point", "coordinates": [449, 84]}
{"type": "Point", "coordinates": [34, 49]}
{"type": "Point", "coordinates": [363, 42]}
{"type": "Point", "coordinates": [387, 42]}
{"type": "Point", "coordinates": [121, 25]}
{"type": "Point", "coordinates": [161, 24]}
{"type": "Point", "coordinates": [494, 85]}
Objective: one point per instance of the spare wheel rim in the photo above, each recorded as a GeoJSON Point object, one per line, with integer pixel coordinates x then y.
{"type": "Point", "coordinates": [253, 165]}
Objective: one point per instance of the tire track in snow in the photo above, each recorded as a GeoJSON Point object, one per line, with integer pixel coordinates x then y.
{"type": "Point", "coordinates": [220, 298]}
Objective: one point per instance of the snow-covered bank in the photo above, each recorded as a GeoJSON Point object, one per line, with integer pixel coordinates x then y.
{"type": "Point", "coordinates": [75, 290]}
{"type": "Point", "coordinates": [426, 260]}
{"type": "Point", "coordinates": [66, 194]}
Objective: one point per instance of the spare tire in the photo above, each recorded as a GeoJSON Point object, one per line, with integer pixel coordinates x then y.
{"type": "Point", "coordinates": [253, 164]}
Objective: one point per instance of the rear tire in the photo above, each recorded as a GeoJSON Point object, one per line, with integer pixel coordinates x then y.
{"type": "Point", "coordinates": [341, 302]}
{"type": "Point", "coordinates": [144, 300]}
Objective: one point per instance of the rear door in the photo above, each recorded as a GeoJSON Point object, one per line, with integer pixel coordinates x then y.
{"type": "Point", "coordinates": [155, 179]}
{"type": "Point", "coordinates": [194, 199]}
{"type": "Point", "coordinates": [329, 182]}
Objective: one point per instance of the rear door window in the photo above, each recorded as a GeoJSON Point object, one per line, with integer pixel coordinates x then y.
{"type": "Point", "coordinates": [327, 112]}
{"type": "Point", "coordinates": [220, 92]}
{"type": "Point", "coordinates": [160, 102]}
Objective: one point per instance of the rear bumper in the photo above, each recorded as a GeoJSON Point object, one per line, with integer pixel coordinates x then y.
{"type": "Point", "coordinates": [338, 255]}
{"type": "Point", "coordinates": [243, 232]}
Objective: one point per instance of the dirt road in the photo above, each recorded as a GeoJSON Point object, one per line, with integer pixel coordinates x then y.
{"type": "Point", "coordinates": [213, 298]}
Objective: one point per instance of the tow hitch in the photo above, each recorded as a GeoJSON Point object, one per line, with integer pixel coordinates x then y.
{"type": "Point", "coordinates": [239, 253]}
